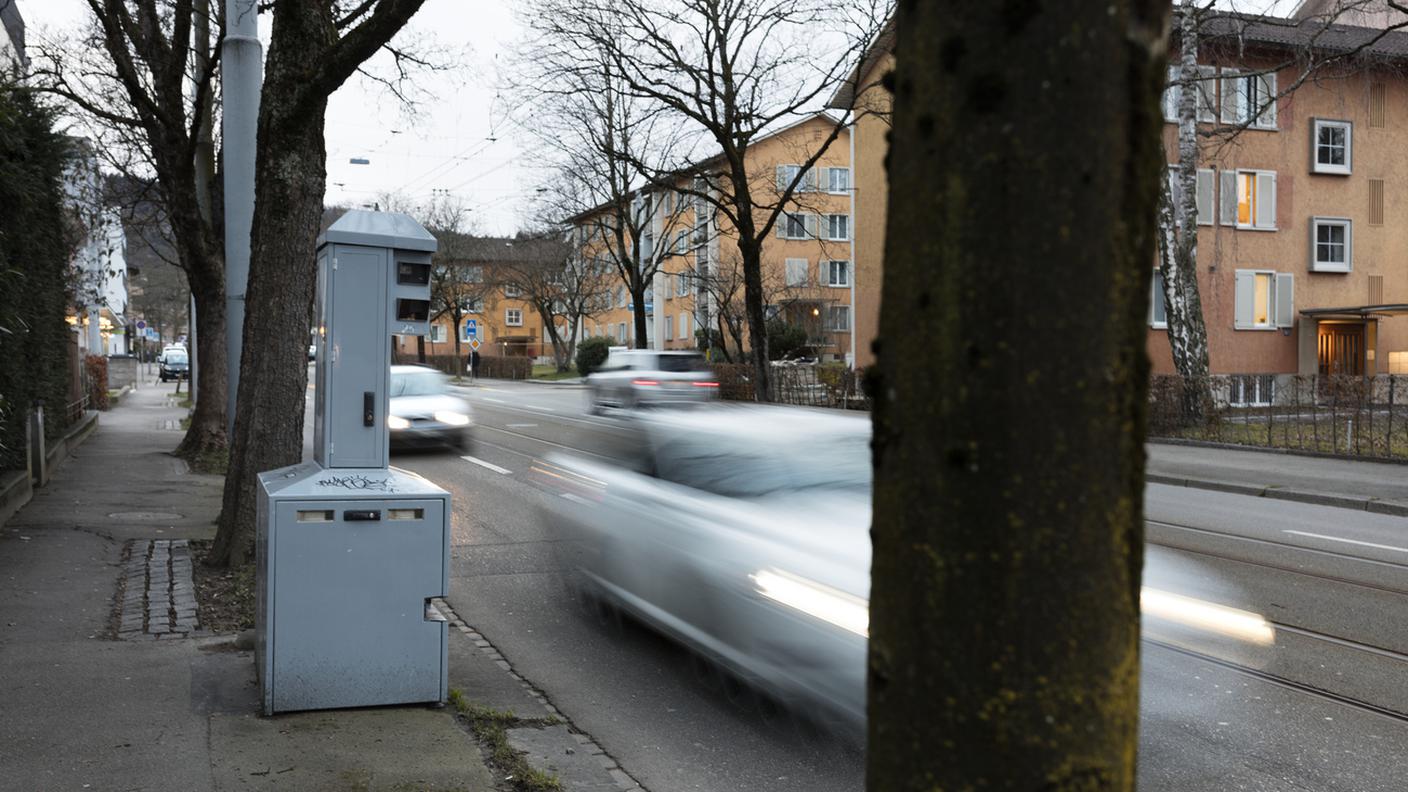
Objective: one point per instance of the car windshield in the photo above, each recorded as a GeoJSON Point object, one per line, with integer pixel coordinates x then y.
{"type": "Point", "coordinates": [175, 357]}
{"type": "Point", "coordinates": [420, 383]}
{"type": "Point", "coordinates": [730, 467]}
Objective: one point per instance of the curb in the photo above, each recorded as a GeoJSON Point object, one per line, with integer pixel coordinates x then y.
{"type": "Point", "coordinates": [1276, 493]}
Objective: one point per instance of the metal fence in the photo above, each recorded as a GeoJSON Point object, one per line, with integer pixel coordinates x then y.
{"type": "Point", "coordinates": [1341, 415]}
{"type": "Point", "coordinates": [803, 385]}
{"type": "Point", "coordinates": [490, 366]}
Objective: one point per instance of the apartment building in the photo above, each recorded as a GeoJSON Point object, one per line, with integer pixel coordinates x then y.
{"type": "Point", "coordinates": [475, 272]}
{"type": "Point", "coordinates": [12, 41]}
{"type": "Point", "coordinates": [1302, 236]}
{"type": "Point", "coordinates": [807, 268]}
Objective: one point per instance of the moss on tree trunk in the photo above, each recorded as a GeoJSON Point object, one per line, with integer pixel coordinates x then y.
{"type": "Point", "coordinates": [1008, 531]}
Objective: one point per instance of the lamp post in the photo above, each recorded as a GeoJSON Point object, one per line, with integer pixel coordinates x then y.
{"type": "Point", "coordinates": [241, 75]}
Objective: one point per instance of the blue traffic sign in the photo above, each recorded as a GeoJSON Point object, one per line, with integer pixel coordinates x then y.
{"type": "Point", "coordinates": [471, 328]}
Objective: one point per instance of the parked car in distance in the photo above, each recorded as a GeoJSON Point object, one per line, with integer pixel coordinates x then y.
{"type": "Point", "coordinates": [312, 351]}
{"type": "Point", "coordinates": [175, 365]}
{"type": "Point", "coordinates": [643, 377]}
{"type": "Point", "coordinates": [423, 411]}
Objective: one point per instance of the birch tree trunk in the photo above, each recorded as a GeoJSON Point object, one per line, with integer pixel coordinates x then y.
{"type": "Point", "coordinates": [1010, 410]}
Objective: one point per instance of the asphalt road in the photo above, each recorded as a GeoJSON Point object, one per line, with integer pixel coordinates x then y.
{"type": "Point", "coordinates": [1321, 708]}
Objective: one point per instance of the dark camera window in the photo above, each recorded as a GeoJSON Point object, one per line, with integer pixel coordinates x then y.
{"type": "Point", "coordinates": [412, 310]}
{"type": "Point", "coordinates": [411, 273]}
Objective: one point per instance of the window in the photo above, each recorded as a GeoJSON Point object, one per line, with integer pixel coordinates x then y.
{"type": "Point", "coordinates": [681, 242]}
{"type": "Point", "coordinates": [1204, 197]}
{"type": "Point", "coordinates": [797, 271]}
{"type": "Point", "coordinates": [838, 227]}
{"type": "Point", "coordinates": [1158, 310]}
{"type": "Point", "coordinates": [686, 322]}
{"type": "Point", "coordinates": [786, 174]}
{"type": "Point", "coordinates": [1265, 300]}
{"type": "Point", "coordinates": [1249, 98]}
{"type": "Point", "coordinates": [796, 225]}
{"type": "Point", "coordinates": [838, 318]}
{"type": "Point", "coordinates": [513, 317]}
{"type": "Point", "coordinates": [1207, 76]}
{"type": "Point", "coordinates": [669, 327]}
{"type": "Point", "coordinates": [473, 305]}
{"type": "Point", "coordinates": [682, 284]}
{"type": "Point", "coordinates": [1248, 199]}
{"type": "Point", "coordinates": [474, 274]}
{"type": "Point", "coordinates": [621, 332]}
{"type": "Point", "coordinates": [1332, 246]}
{"type": "Point", "coordinates": [1251, 390]}
{"type": "Point", "coordinates": [1398, 362]}
{"type": "Point", "coordinates": [838, 273]}
{"type": "Point", "coordinates": [512, 290]}
{"type": "Point", "coordinates": [621, 297]}
{"type": "Point", "coordinates": [437, 334]}
{"type": "Point", "coordinates": [838, 180]}
{"type": "Point", "coordinates": [1332, 147]}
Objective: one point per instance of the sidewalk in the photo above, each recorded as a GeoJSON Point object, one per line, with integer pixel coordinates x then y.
{"type": "Point", "coordinates": [1346, 483]}
{"type": "Point", "coordinates": [108, 683]}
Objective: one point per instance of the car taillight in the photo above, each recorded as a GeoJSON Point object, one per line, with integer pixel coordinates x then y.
{"type": "Point", "coordinates": [645, 382]}
{"type": "Point", "coordinates": [706, 384]}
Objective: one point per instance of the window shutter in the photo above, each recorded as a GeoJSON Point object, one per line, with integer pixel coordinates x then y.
{"type": "Point", "coordinates": [1267, 97]}
{"type": "Point", "coordinates": [1207, 104]}
{"type": "Point", "coordinates": [1171, 95]}
{"type": "Point", "coordinates": [1231, 93]}
{"type": "Point", "coordinates": [781, 178]}
{"type": "Point", "coordinates": [1245, 301]}
{"type": "Point", "coordinates": [811, 226]}
{"type": "Point", "coordinates": [1204, 196]}
{"type": "Point", "coordinates": [1285, 299]}
{"type": "Point", "coordinates": [1265, 200]}
{"type": "Point", "coordinates": [1227, 198]}
{"type": "Point", "coordinates": [781, 227]}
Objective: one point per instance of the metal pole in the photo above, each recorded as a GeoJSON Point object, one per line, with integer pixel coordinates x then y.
{"type": "Point", "coordinates": [853, 227]}
{"type": "Point", "coordinates": [193, 356]}
{"type": "Point", "coordinates": [241, 75]}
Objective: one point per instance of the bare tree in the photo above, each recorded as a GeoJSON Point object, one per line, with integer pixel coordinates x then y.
{"type": "Point", "coordinates": [732, 71]}
{"type": "Point", "coordinates": [316, 45]}
{"type": "Point", "coordinates": [563, 285]}
{"type": "Point", "coordinates": [1009, 436]}
{"type": "Point", "coordinates": [143, 81]}
{"type": "Point", "coordinates": [593, 133]}
{"type": "Point", "coordinates": [1313, 48]}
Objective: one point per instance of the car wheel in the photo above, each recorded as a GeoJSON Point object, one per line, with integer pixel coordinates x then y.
{"type": "Point", "coordinates": [464, 443]}
{"type": "Point", "coordinates": [593, 402]}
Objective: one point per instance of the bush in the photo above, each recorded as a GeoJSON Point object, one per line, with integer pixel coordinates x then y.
{"type": "Point", "coordinates": [785, 338]}
{"type": "Point", "coordinates": [591, 353]}
{"type": "Point", "coordinates": [97, 369]}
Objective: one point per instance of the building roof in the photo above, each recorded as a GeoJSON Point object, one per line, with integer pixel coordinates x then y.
{"type": "Point", "coordinates": [883, 45]}
{"type": "Point", "coordinates": [1310, 33]}
{"type": "Point", "coordinates": [510, 250]}
{"type": "Point", "coordinates": [378, 229]}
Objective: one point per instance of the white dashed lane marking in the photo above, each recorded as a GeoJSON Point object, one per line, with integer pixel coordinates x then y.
{"type": "Point", "coordinates": [489, 465]}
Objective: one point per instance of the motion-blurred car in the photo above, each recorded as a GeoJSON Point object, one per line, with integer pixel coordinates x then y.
{"type": "Point", "coordinates": [640, 377]}
{"type": "Point", "coordinates": [423, 411]}
{"type": "Point", "coordinates": [175, 365]}
{"type": "Point", "coordinates": [743, 532]}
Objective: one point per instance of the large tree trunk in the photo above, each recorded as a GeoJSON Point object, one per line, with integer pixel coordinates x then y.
{"type": "Point", "coordinates": [290, 179]}
{"type": "Point", "coordinates": [1008, 525]}
{"type": "Point", "coordinates": [206, 434]}
{"type": "Point", "coordinates": [642, 333]}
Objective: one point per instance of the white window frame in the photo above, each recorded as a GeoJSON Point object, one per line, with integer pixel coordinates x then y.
{"type": "Point", "coordinates": [1316, 166]}
{"type": "Point", "coordinates": [1261, 386]}
{"type": "Point", "coordinates": [832, 311]}
{"type": "Point", "coordinates": [1316, 265]}
{"type": "Point", "coordinates": [1236, 105]}
{"type": "Point", "coordinates": [831, 279]}
{"type": "Point", "coordinates": [1205, 100]}
{"type": "Point", "coordinates": [686, 321]}
{"type": "Point", "coordinates": [831, 180]}
{"type": "Point", "coordinates": [831, 222]}
{"type": "Point", "coordinates": [509, 320]}
{"type": "Point", "coordinates": [790, 265]}
{"type": "Point", "coordinates": [1206, 183]}
{"type": "Point", "coordinates": [808, 220]}
{"type": "Point", "coordinates": [1280, 299]}
{"type": "Point", "coordinates": [1229, 204]}
{"type": "Point", "coordinates": [511, 291]}
{"type": "Point", "coordinates": [437, 334]}
{"type": "Point", "coordinates": [669, 327]}
{"type": "Point", "coordinates": [1156, 296]}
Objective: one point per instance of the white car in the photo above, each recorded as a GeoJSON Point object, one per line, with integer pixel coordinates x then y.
{"type": "Point", "coordinates": [743, 532]}
{"type": "Point", "coordinates": [423, 411]}
{"type": "Point", "coordinates": [642, 377]}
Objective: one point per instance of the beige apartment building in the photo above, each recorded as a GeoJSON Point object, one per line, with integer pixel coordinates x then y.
{"type": "Point", "coordinates": [1302, 243]}
{"type": "Point", "coordinates": [807, 260]}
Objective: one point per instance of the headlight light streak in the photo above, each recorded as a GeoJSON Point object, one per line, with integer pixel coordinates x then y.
{"type": "Point", "coordinates": [836, 607]}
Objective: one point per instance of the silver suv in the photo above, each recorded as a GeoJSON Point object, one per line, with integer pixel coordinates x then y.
{"type": "Point", "coordinates": [640, 377]}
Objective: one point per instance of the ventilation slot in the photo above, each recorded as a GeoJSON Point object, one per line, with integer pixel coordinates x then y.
{"type": "Point", "coordinates": [1378, 104]}
{"type": "Point", "coordinates": [1376, 290]}
{"type": "Point", "coordinates": [1376, 202]}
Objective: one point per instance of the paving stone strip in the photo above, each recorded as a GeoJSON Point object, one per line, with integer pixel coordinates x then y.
{"type": "Point", "coordinates": [160, 599]}
{"type": "Point", "coordinates": [531, 741]}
